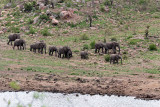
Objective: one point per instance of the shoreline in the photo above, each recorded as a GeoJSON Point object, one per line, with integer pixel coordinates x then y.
{"type": "Point", "coordinates": [133, 86]}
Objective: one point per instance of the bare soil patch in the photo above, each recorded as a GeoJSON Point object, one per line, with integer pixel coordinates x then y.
{"type": "Point", "coordinates": [139, 85]}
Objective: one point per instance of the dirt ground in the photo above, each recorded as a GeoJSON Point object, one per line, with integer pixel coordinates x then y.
{"type": "Point", "coordinates": [133, 85]}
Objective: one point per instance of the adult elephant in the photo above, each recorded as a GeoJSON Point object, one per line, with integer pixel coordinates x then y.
{"type": "Point", "coordinates": [13, 37]}
{"type": "Point", "coordinates": [65, 51]}
{"type": "Point", "coordinates": [112, 45]}
{"type": "Point", "coordinates": [98, 46]}
{"type": "Point", "coordinates": [38, 45]}
{"type": "Point", "coordinates": [42, 46]}
{"type": "Point", "coordinates": [20, 43]}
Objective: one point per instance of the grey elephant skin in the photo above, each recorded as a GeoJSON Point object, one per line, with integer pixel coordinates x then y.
{"type": "Point", "coordinates": [20, 43]}
{"type": "Point", "coordinates": [84, 55]}
{"type": "Point", "coordinates": [13, 37]}
{"type": "Point", "coordinates": [111, 45]}
{"type": "Point", "coordinates": [114, 58]}
{"type": "Point", "coordinates": [53, 49]}
{"type": "Point", "coordinates": [98, 46]}
{"type": "Point", "coordinates": [65, 51]}
{"type": "Point", "coordinates": [38, 46]}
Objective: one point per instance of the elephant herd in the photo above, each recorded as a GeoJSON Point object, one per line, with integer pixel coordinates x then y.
{"type": "Point", "coordinates": [65, 51]}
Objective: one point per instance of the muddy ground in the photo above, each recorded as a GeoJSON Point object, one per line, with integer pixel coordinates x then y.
{"type": "Point", "coordinates": [133, 85]}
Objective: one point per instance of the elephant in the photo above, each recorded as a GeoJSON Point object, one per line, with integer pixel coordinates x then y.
{"type": "Point", "coordinates": [114, 58]}
{"type": "Point", "coordinates": [84, 55]}
{"type": "Point", "coordinates": [65, 51]}
{"type": "Point", "coordinates": [42, 46]}
{"type": "Point", "coordinates": [111, 45]}
{"type": "Point", "coordinates": [34, 47]}
{"type": "Point", "coordinates": [98, 46]}
{"type": "Point", "coordinates": [53, 49]}
{"type": "Point", "coordinates": [13, 37]}
{"type": "Point", "coordinates": [19, 43]}
{"type": "Point", "coordinates": [38, 45]}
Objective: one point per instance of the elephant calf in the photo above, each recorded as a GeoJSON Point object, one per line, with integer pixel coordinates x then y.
{"type": "Point", "coordinates": [84, 55]}
{"type": "Point", "coordinates": [114, 58]}
{"type": "Point", "coordinates": [53, 49]}
{"type": "Point", "coordinates": [13, 37]}
{"type": "Point", "coordinates": [20, 43]}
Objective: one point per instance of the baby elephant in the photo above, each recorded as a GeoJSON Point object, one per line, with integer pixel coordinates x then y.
{"type": "Point", "coordinates": [13, 37]}
{"type": "Point", "coordinates": [99, 46]}
{"type": "Point", "coordinates": [114, 58]}
{"type": "Point", "coordinates": [53, 49]}
{"type": "Point", "coordinates": [84, 55]}
{"type": "Point", "coordinates": [20, 43]}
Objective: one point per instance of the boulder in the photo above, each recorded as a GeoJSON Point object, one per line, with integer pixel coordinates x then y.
{"type": "Point", "coordinates": [8, 5]}
{"type": "Point", "coordinates": [35, 20]}
{"type": "Point", "coordinates": [1, 32]}
{"type": "Point", "coordinates": [55, 21]}
{"type": "Point", "coordinates": [41, 6]}
{"type": "Point", "coordinates": [66, 14]}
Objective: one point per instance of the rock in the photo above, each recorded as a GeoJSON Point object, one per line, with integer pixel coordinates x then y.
{"type": "Point", "coordinates": [8, 5]}
{"type": "Point", "coordinates": [55, 22]}
{"type": "Point", "coordinates": [12, 22]}
{"type": "Point", "coordinates": [35, 20]}
{"type": "Point", "coordinates": [4, 29]}
{"type": "Point", "coordinates": [20, 7]}
{"type": "Point", "coordinates": [66, 14]}
{"type": "Point", "coordinates": [1, 32]}
{"type": "Point", "coordinates": [48, 12]}
{"type": "Point", "coordinates": [51, 17]}
{"type": "Point", "coordinates": [42, 7]}
{"type": "Point", "coordinates": [107, 9]}
{"type": "Point", "coordinates": [21, 20]}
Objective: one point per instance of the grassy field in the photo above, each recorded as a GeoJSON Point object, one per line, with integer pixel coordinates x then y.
{"type": "Point", "coordinates": [128, 28]}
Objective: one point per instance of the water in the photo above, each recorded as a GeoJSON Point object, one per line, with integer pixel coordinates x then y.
{"type": "Point", "coordinates": [46, 99]}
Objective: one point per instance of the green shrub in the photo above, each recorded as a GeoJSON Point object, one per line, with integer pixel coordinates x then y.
{"type": "Point", "coordinates": [15, 29]}
{"type": "Point", "coordinates": [129, 37]}
{"type": "Point", "coordinates": [28, 7]}
{"type": "Point", "coordinates": [76, 51]}
{"type": "Point", "coordinates": [72, 25]}
{"type": "Point", "coordinates": [113, 39]}
{"type": "Point", "coordinates": [92, 44]}
{"type": "Point", "coordinates": [45, 32]}
{"type": "Point", "coordinates": [134, 41]}
{"type": "Point", "coordinates": [30, 21]}
{"type": "Point", "coordinates": [43, 17]}
{"type": "Point", "coordinates": [107, 58]}
{"type": "Point", "coordinates": [125, 57]}
{"type": "Point", "coordinates": [85, 46]}
{"type": "Point", "coordinates": [31, 30]}
{"type": "Point", "coordinates": [152, 47]}
{"type": "Point", "coordinates": [102, 8]}
{"type": "Point", "coordinates": [84, 37]}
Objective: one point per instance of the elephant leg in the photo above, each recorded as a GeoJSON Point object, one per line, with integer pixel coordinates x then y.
{"type": "Point", "coordinates": [49, 52]}
{"type": "Point", "coordinates": [11, 42]}
{"type": "Point", "coordinates": [18, 47]}
{"type": "Point", "coordinates": [102, 50]}
{"type": "Point", "coordinates": [96, 50]}
{"type": "Point", "coordinates": [110, 61]}
{"type": "Point", "coordinates": [8, 42]}
{"type": "Point", "coordinates": [42, 51]}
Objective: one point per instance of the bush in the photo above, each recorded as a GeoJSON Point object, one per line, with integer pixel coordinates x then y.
{"type": "Point", "coordinates": [45, 32]}
{"type": "Point", "coordinates": [107, 58]}
{"type": "Point", "coordinates": [15, 29]}
{"type": "Point", "coordinates": [44, 17]}
{"type": "Point", "coordinates": [152, 47]}
{"type": "Point", "coordinates": [85, 46]}
{"type": "Point", "coordinates": [92, 44]}
{"type": "Point", "coordinates": [84, 37]}
{"type": "Point", "coordinates": [31, 30]}
{"type": "Point", "coordinates": [134, 41]}
{"type": "Point", "coordinates": [30, 21]}
{"type": "Point", "coordinates": [113, 39]}
{"type": "Point", "coordinates": [102, 8]}
{"type": "Point", "coordinates": [28, 7]}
